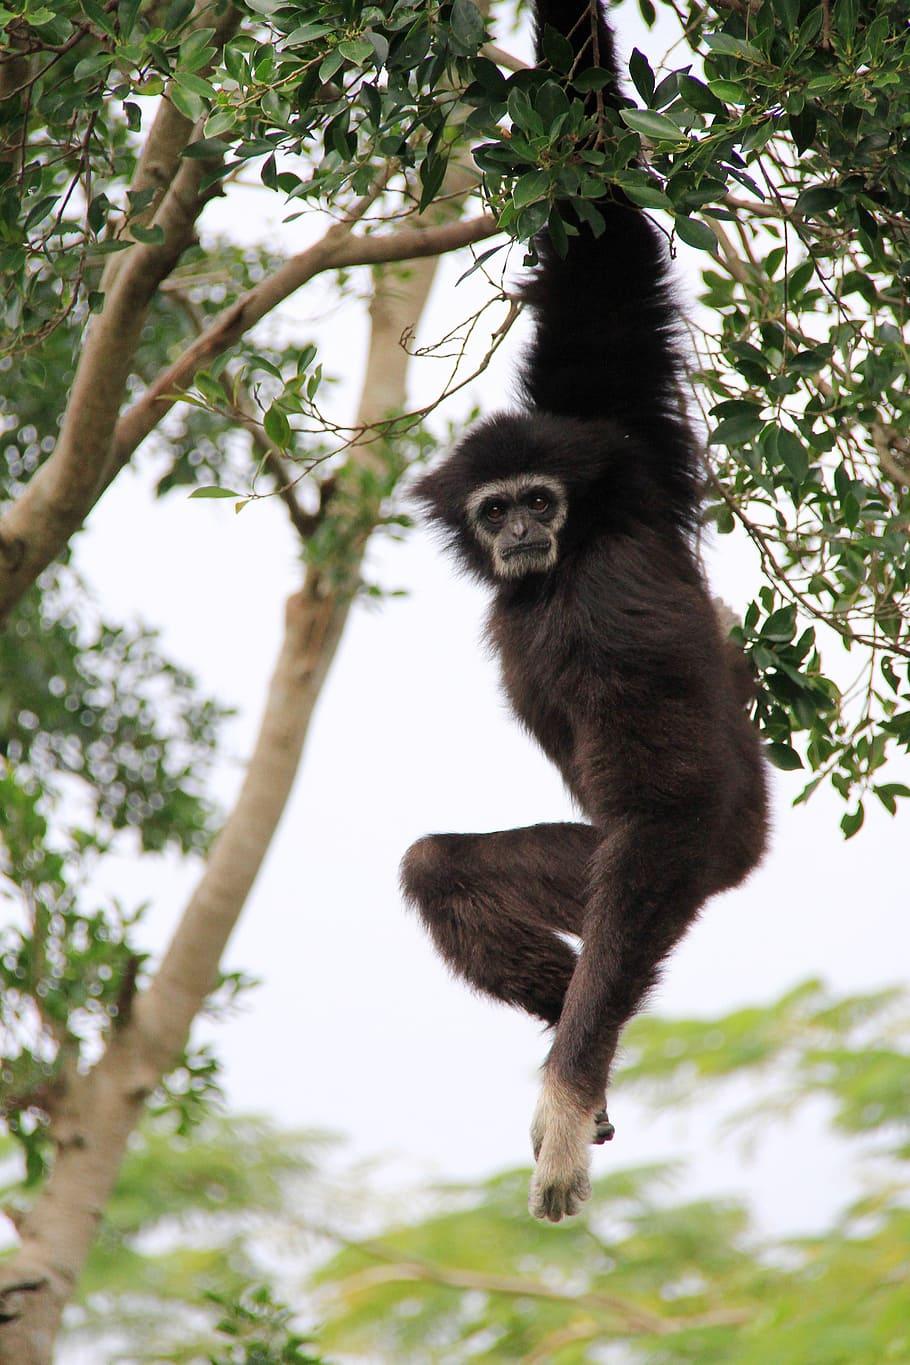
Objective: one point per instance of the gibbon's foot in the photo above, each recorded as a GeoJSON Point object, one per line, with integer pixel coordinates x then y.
{"type": "Point", "coordinates": [603, 1128]}
{"type": "Point", "coordinates": [561, 1135]}
{"type": "Point", "coordinates": [558, 1191]}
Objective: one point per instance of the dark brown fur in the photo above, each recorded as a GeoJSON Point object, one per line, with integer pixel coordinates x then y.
{"type": "Point", "coordinates": [613, 660]}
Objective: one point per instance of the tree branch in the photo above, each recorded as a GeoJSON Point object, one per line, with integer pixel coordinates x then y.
{"type": "Point", "coordinates": [634, 1318]}
{"type": "Point", "coordinates": [35, 528]}
{"type": "Point", "coordinates": [62, 492]}
{"type": "Point", "coordinates": [335, 250]}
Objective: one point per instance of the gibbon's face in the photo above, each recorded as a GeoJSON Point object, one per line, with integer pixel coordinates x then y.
{"type": "Point", "coordinates": [517, 521]}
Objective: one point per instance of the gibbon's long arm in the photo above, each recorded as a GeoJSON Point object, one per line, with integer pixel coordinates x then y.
{"type": "Point", "coordinates": [605, 342]}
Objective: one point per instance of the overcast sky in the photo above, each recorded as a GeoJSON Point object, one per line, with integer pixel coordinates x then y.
{"type": "Point", "coordinates": [356, 1027]}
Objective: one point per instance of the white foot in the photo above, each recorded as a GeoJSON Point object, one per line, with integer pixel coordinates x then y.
{"type": "Point", "coordinates": [561, 1134]}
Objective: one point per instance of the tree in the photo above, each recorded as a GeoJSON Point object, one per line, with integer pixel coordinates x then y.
{"type": "Point", "coordinates": [783, 158]}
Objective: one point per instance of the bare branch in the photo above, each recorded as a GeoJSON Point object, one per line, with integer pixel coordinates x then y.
{"type": "Point", "coordinates": [303, 522]}
{"type": "Point", "coordinates": [631, 1317]}
{"type": "Point", "coordinates": [336, 249]}
{"type": "Point", "coordinates": [503, 58]}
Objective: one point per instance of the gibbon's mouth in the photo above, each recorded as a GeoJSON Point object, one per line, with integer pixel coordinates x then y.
{"type": "Point", "coordinates": [530, 547]}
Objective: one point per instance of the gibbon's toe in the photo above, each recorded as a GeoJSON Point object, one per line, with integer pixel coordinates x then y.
{"type": "Point", "coordinates": [603, 1128]}
{"type": "Point", "coordinates": [555, 1200]}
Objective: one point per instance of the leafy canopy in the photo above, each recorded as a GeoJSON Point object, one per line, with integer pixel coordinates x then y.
{"type": "Point", "coordinates": [773, 138]}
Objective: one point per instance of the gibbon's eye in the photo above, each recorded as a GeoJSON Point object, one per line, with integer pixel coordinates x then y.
{"type": "Point", "coordinates": [495, 510]}
{"type": "Point", "coordinates": [538, 501]}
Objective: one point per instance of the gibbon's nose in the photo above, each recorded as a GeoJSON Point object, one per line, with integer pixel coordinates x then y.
{"type": "Point", "coordinates": [519, 528]}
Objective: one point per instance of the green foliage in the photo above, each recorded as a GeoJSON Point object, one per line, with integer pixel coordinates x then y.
{"type": "Point", "coordinates": [777, 146]}
{"type": "Point", "coordinates": [98, 704]}
{"type": "Point", "coordinates": [101, 736]}
{"type": "Point", "coordinates": [666, 1281]}
{"type": "Point", "coordinates": [646, 1272]}
{"type": "Point", "coordinates": [853, 1050]}
{"type": "Point", "coordinates": [260, 1332]}
{"type": "Point", "coordinates": [351, 81]}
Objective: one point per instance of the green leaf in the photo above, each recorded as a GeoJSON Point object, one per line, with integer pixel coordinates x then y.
{"type": "Point", "coordinates": [211, 490]}
{"type": "Point", "coordinates": [728, 46]}
{"type": "Point", "coordinates": [729, 91]}
{"type": "Point", "coordinates": [591, 79]}
{"type": "Point", "coordinates": [807, 362]}
{"type": "Point", "coordinates": [783, 756]}
{"type": "Point", "coordinates": [735, 431]}
{"type": "Point", "coordinates": [558, 235]}
{"type": "Point", "coordinates": [780, 625]}
{"type": "Point", "coordinates": [793, 454]}
{"type": "Point", "coordinates": [204, 148]}
{"type": "Point", "coordinates": [888, 793]}
{"type": "Point", "coordinates": [852, 822]}
{"type": "Point", "coordinates": [188, 103]}
{"type": "Point", "coordinates": [818, 199]}
{"type": "Point", "coordinates": [647, 196]}
{"type": "Point", "coordinates": [330, 64]}
{"type": "Point", "coordinates": [803, 126]}
{"type": "Point", "coordinates": [41, 210]}
{"type": "Point", "coordinates": [695, 233]}
{"type": "Point", "coordinates": [557, 50]}
{"type": "Point", "coordinates": [532, 219]}
{"type": "Point", "coordinates": [651, 125]}
{"type": "Point", "coordinates": [529, 188]}
{"type": "Point", "coordinates": [277, 427]}
{"type": "Point", "coordinates": [698, 96]}
{"type": "Point", "coordinates": [467, 25]}
{"type": "Point", "coordinates": [187, 80]}
{"type": "Point", "coordinates": [356, 50]}
{"type": "Point", "coordinates": [642, 75]}
{"type": "Point", "coordinates": [307, 33]}
{"type": "Point", "coordinates": [149, 236]}
{"type": "Point", "coordinates": [432, 174]}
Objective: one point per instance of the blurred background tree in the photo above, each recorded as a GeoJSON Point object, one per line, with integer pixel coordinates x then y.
{"type": "Point", "coordinates": [772, 140]}
{"type": "Point", "coordinates": [236, 1212]}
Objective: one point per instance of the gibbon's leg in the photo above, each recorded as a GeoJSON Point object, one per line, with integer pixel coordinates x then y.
{"type": "Point", "coordinates": [646, 889]}
{"type": "Point", "coordinates": [494, 905]}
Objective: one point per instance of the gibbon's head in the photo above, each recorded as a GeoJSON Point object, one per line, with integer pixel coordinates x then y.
{"type": "Point", "coordinates": [519, 491]}
{"type": "Point", "coordinates": [517, 520]}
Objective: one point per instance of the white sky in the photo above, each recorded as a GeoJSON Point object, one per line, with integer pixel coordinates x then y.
{"type": "Point", "coordinates": [356, 1026]}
